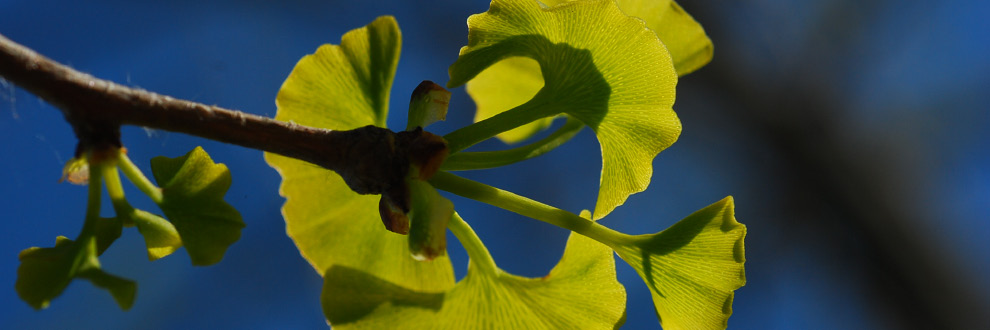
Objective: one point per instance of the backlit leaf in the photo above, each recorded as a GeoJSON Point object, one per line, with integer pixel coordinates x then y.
{"type": "Point", "coordinates": [345, 87]}
{"type": "Point", "coordinates": [192, 198]}
{"type": "Point", "coordinates": [513, 81]}
{"type": "Point", "coordinates": [689, 46]}
{"type": "Point", "coordinates": [599, 65]}
{"type": "Point", "coordinates": [693, 267]}
{"type": "Point", "coordinates": [581, 292]}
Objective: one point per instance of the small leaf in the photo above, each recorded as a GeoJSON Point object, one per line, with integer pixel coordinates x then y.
{"type": "Point", "coordinates": [693, 267]}
{"type": "Point", "coordinates": [160, 236]}
{"type": "Point", "coordinates": [45, 272]}
{"type": "Point", "coordinates": [428, 216]}
{"type": "Point", "coordinates": [192, 198]}
{"type": "Point", "coordinates": [581, 292]}
{"type": "Point", "coordinates": [600, 66]}
{"type": "Point", "coordinates": [330, 224]}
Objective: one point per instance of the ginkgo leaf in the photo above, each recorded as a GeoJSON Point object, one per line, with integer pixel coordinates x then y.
{"type": "Point", "coordinates": [345, 87]}
{"type": "Point", "coordinates": [192, 198]}
{"type": "Point", "coordinates": [685, 39]}
{"type": "Point", "coordinates": [689, 46]}
{"type": "Point", "coordinates": [581, 292]}
{"type": "Point", "coordinates": [693, 267]}
{"type": "Point", "coordinates": [515, 80]}
{"type": "Point", "coordinates": [45, 272]}
{"type": "Point", "coordinates": [599, 65]}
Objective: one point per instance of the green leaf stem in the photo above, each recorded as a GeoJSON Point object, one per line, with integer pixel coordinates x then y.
{"type": "Point", "coordinates": [507, 84]}
{"type": "Point", "coordinates": [490, 159]}
{"type": "Point", "coordinates": [692, 268]}
{"type": "Point", "coordinates": [160, 235]}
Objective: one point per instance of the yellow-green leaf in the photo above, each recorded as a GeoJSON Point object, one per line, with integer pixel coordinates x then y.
{"type": "Point", "coordinates": [160, 235]}
{"type": "Point", "coordinates": [345, 87]}
{"type": "Point", "coordinates": [45, 272]}
{"type": "Point", "coordinates": [513, 81]}
{"type": "Point", "coordinates": [599, 65]}
{"type": "Point", "coordinates": [693, 267]}
{"type": "Point", "coordinates": [581, 292]}
{"type": "Point", "coordinates": [689, 46]}
{"type": "Point", "coordinates": [192, 198]}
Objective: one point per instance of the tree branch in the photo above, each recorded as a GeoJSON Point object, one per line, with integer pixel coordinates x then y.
{"type": "Point", "coordinates": [370, 159]}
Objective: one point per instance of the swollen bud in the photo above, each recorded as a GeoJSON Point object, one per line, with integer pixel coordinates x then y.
{"type": "Point", "coordinates": [428, 218]}
{"type": "Point", "coordinates": [393, 208]}
{"type": "Point", "coordinates": [76, 171]}
{"type": "Point", "coordinates": [428, 105]}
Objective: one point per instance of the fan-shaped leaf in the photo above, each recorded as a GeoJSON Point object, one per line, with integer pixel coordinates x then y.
{"type": "Point", "coordinates": [513, 81]}
{"type": "Point", "coordinates": [693, 267]}
{"type": "Point", "coordinates": [192, 198]}
{"type": "Point", "coordinates": [599, 65]}
{"type": "Point", "coordinates": [345, 87]}
{"type": "Point", "coordinates": [581, 292]}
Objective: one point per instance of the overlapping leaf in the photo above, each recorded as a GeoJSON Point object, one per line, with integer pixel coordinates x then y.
{"type": "Point", "coordinates": [693, 267]}
{"type": "Point", "coordinates": [192, 198]}
{"type": "Point", "coordinates": [345, 87]}
{"type": "Point", "coordinates": [160, 235]}
{"type": "Point", "coordinates": [685, 39]}
{"type": "Point", "coordinates": [581, 292]}
{"type": "Point", "coordinates": [600, 66]}
{"type": "Point", "coordinates": [513, 81]}
{"type": "Point", "coordinates": [506, 85]}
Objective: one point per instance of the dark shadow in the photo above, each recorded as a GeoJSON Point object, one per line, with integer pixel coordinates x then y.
{"type": "Point", "coordinates": [573, 83]}
{"type": "Point", "coordinates": [350, 294]}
